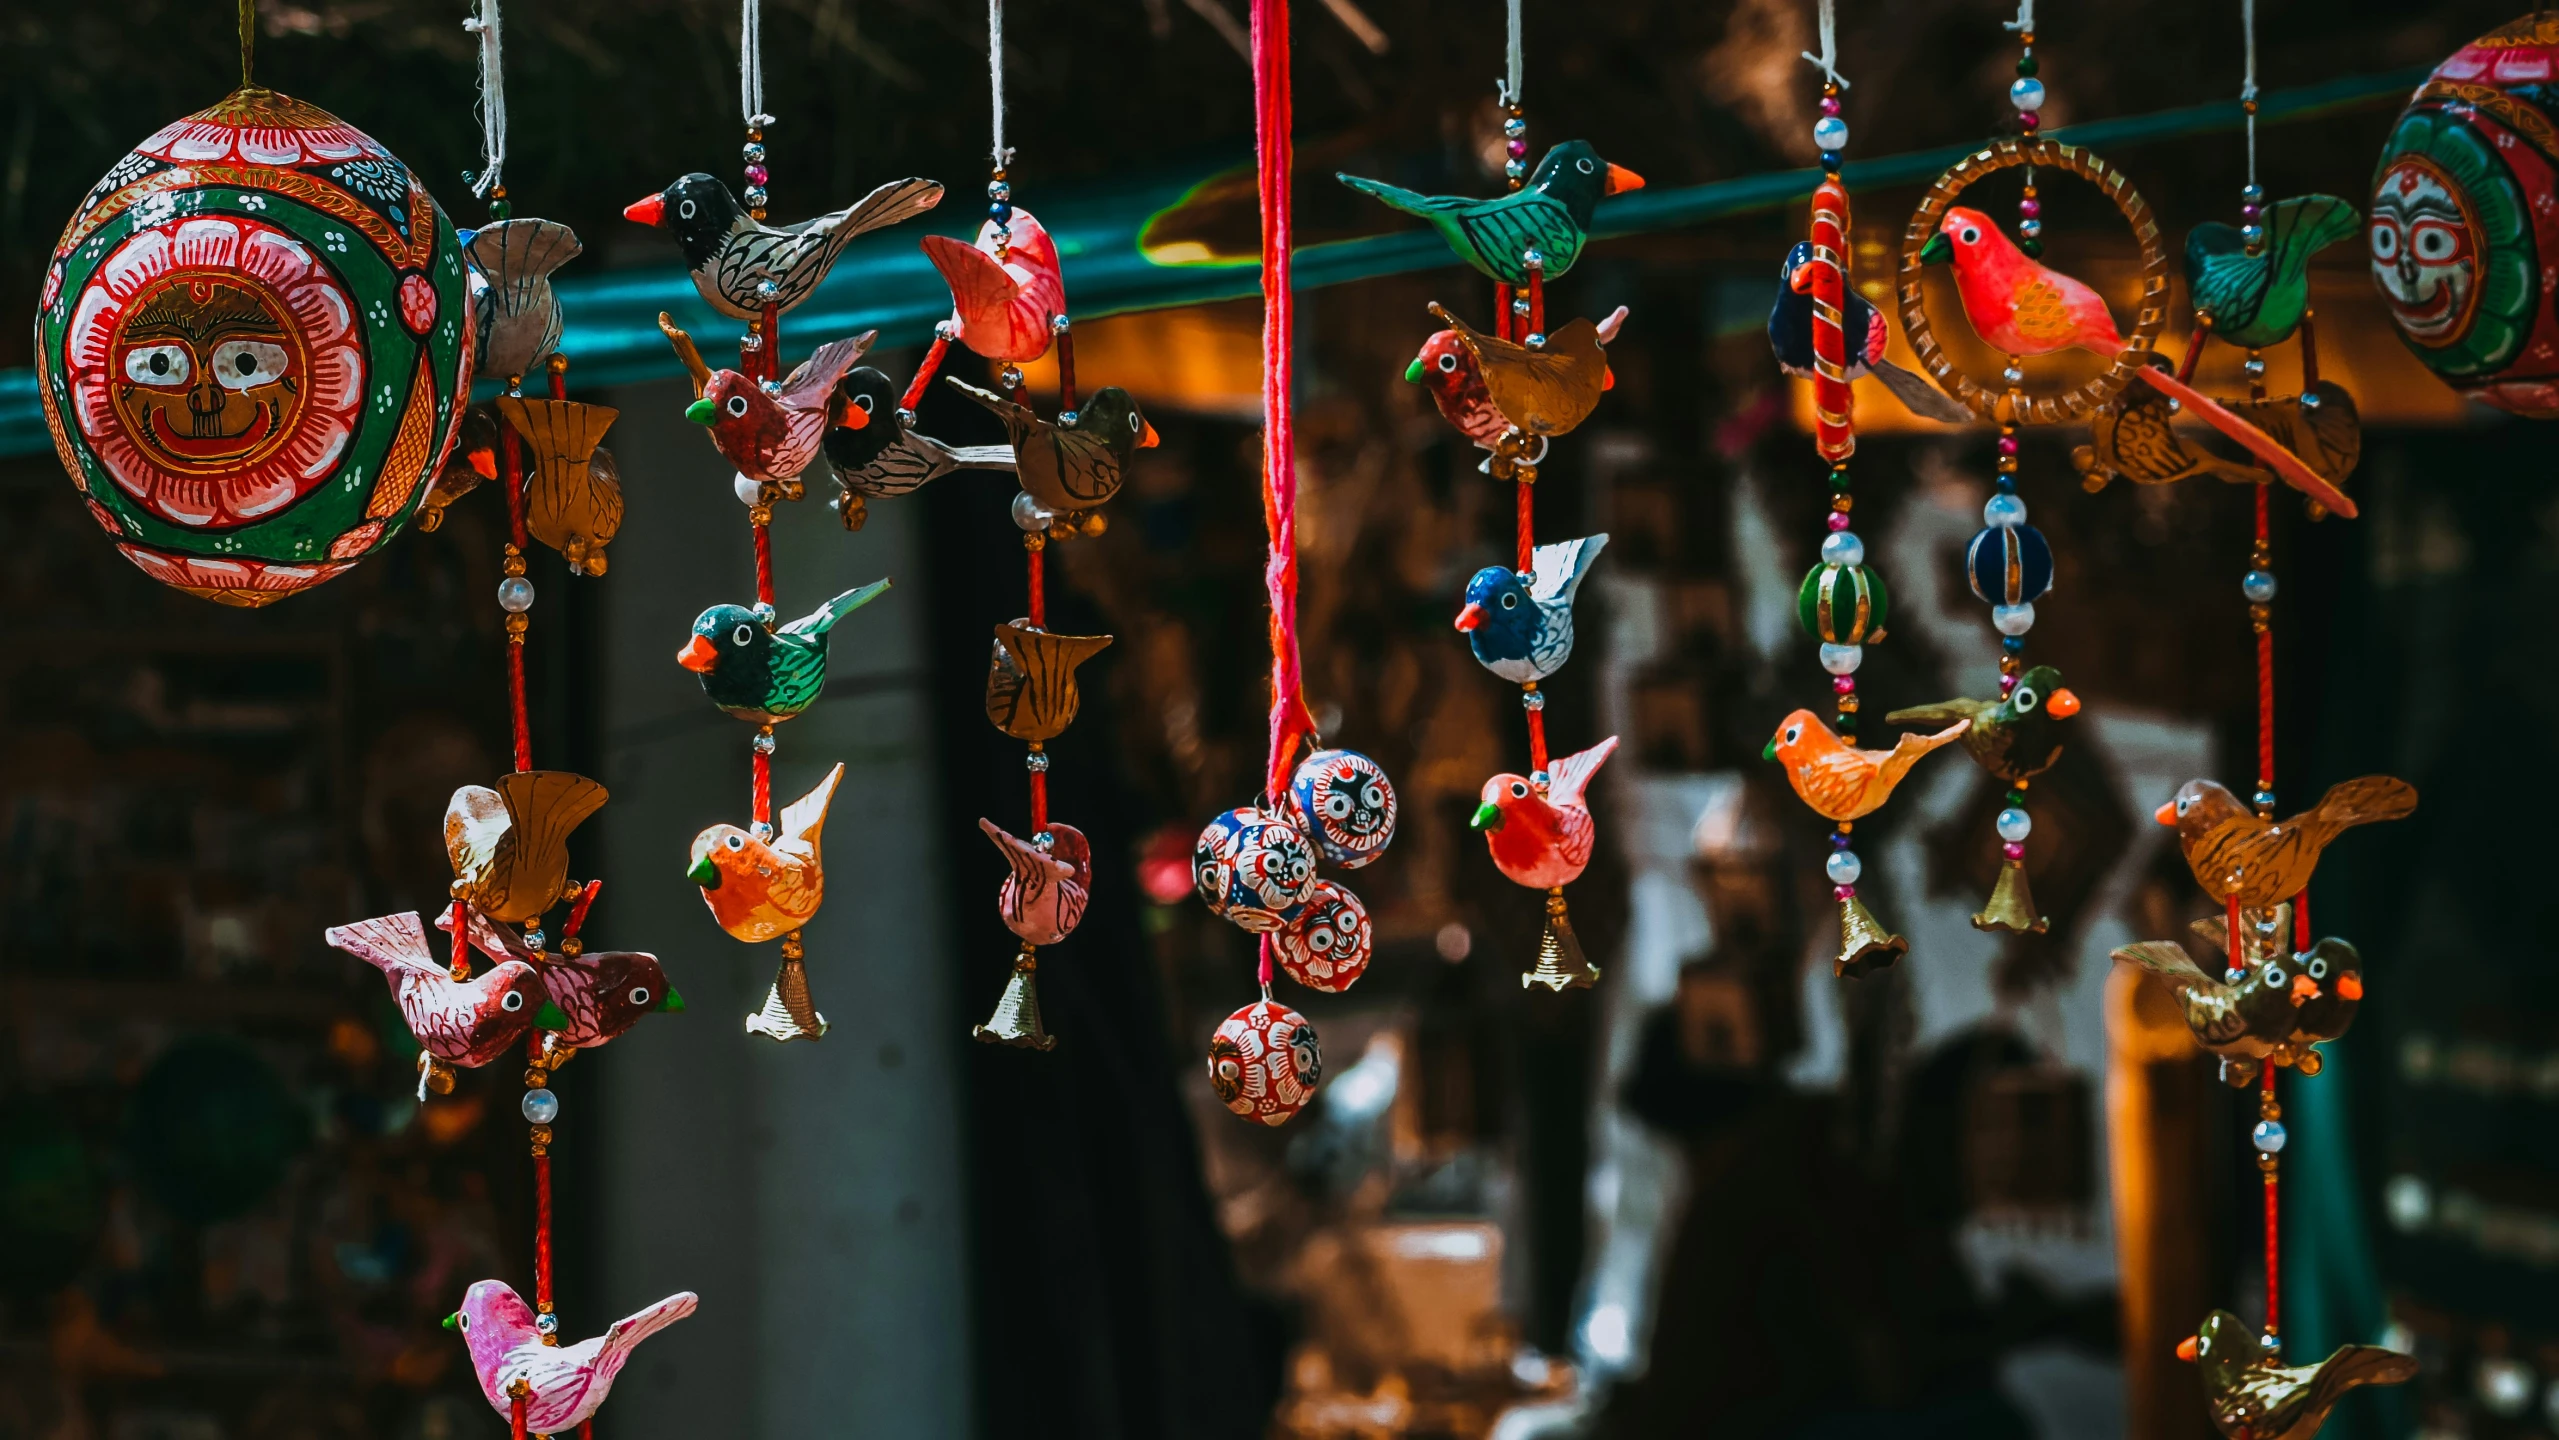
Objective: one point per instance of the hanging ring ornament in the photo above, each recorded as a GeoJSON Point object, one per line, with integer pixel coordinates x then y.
{"type": "Point", "coordinates": [2080, 400]}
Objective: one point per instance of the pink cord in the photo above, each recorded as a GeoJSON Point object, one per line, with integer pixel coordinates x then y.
{"type": "Point", "coordinates": [1272, 117]}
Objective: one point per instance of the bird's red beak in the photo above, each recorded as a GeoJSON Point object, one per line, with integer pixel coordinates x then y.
{"type": "Point", "coordinates": [2061, 704]}
{"type": "Point", "coordinates": [1150, 439]}
{"type": "Point", "coordinates": [2187, 1349]}
{"type": "Point", "coordinates": [1801, 281]}
{"type": "Point", "coordinates": [2166, 814]}
{"type": "Point", "coordinates": [1621, 180]}
{"type": "Point", "coordinates": [698, 655]}
{"type": "Point", "coordinates": [647, 212]}
{"type": "Point", "coordinates": [1607, 378]}
{"type": "Point", "coordinates": [2350, 987]}
{"type": "Point", "coordinates": [1470, 617]}
{"type": "Point", "coordinates": [2304, 990]}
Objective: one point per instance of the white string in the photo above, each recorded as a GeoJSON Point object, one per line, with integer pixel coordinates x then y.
{"type": "Point", "coordinates": [1828, 59]}
{"type": "Point", "coordinates": [492, 98]}
{"type": "Point", "coordinates": [1517, 65]}
{"type": "Point", "coordinates": [995, 76]}
{"type": "Point", "coordinates": [750, 65]}
{"type": "Point", "coordinates": [2248, 86]}
{"type": "Point", "coordinates": [2024, 24]}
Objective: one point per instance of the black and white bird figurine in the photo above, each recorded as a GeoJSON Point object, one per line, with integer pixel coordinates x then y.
{"type": "Point", "coordinates": [740, 264]}
{"type": "Point", "coordinates": [515, 316]}
{"type": "Point", "coordinates": [888, 456]}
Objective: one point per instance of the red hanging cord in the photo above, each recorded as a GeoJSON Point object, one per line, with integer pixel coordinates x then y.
{"type": "Point", "coordinates": [2265, 666]}
{"type": "Point", "coordinates": [1275, 154]}
{"type": "Point", "coordinates": [515, 1410]}
{"type": "Point", "coordinates": [1527, 529]}
{"type": "Point", "coordinates": [2274, 1290]}
{"type": "Point", "coordinates": [1066, 369]}
{"type": "Point", "coordinates": [2301, 921]}
{"type": "Point", "coordinates": [510, 449]}
{"type": "Point", "coordinates": [461, 963]}
{"type": "Point", "coordinates": [764, 561]}
{"type": "Point", "coordinates": [925, 372]}
{"type": "Point", "coordinates": [1502, 311]}
{"type": "Point", "coordinates": [762, 801]}
{"type": "Point", "coordinates": [1536, 301]}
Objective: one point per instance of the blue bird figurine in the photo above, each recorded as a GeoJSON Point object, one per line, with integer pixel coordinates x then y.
{"type": "Point", "coordinates": [1790, 334]}
{"type": "Point", "coordinates": [1521, 626]}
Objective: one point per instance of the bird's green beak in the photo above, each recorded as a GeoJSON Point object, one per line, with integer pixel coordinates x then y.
{"type": "Point", "coordinates": [1413, 372]}
{"type": "Point", "coordinates": [703, 412]}
{"type": "Point", "coordinates": [704, 874]}
{"type": "Point", "coordinates": [453, 1321]}
{"type": "Point", "coordinates": [551, 1016]}
{"type": "Point", "coordinates": [1769, 750]}
{"type": "Point", "coordinates": [1937, 251]}
{"type": "Point", "coordinates": [673, 1004]}
{"type": "Point", "coordinates": [1488, 816]}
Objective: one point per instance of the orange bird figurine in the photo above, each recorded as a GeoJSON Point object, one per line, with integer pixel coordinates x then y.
{"type": "Point", "coordinates": [2014, 302]}
{"type": "Point", "coordinates": [760, 889]}
{"type": "Point", "coordinates": [1542, 838]}
{"type": "Point", "coordinates": [1836, 778]}
{"type": "Point", "coordinates": [2236, 852]}
{"type": "Point", "coordinates": [1003, 309]}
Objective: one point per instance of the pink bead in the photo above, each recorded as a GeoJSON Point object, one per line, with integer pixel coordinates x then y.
{"type": "Point", "coordinates": [1843, 684]}
{"type": "Point", "coordinates": [1838, 520]}
{"type": "Point", "coordinates": [2029, 119]}
{"type": "Point", "coordinates": [756, 175]}
{"type": "Point", "coordinates": [2007, 683]}
{"type": "Point", "coordinates": [2014, 849]}
{"type": "Point", "coordinates": [1830, 104]}
{"type": "Point", "coordinates": [2007, 444]}
{"type": "Point", "coordinates": [1519, 149]}
{"type": "Point", "coordinates": [2030, 208]}
{"type": "Point", "coordinates": [1843, 892]}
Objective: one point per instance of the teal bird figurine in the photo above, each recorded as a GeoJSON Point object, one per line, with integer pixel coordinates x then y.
{"type": "Point", "coordinates": [1551, 216]}
{"type": "Point", "coordinates": [758, 672]}
{"type": "Point", "coordinates": [2258, 300]}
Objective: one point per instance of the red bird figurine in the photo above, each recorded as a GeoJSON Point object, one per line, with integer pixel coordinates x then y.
{"type": "Point", "coordinates": [1448, 370]}
{"type": "Point", "coordinates": [457, 1022]}
{"type": "Point", "coordinates": [1003, 309]}
{"type": "Point", "coordinates": [1542, 837]}
{"type": "Point", "coordinates": [772, 435]}
{"type": "Point", "coordinates": [595, 994]}
{"type": "Point", "coordinates": [2014, 302]}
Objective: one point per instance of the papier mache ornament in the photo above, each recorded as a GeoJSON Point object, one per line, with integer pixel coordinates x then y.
{"type": "Point", "coordinates": [764, 884]}
{"type": "Point", "coordinates": [529, 1377]}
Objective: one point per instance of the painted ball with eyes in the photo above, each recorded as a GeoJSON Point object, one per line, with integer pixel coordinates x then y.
{"type": "Point", "coordinates": [1345, 804]}
{"type": "Point", "coordinates": [1328, 947]}
{"type": "Point", "coordinates": [254, 349]}
{"type": "Point", "coordinates": [1264, 1062]}
{"type": "Point", "coordinates": [1253, 867]}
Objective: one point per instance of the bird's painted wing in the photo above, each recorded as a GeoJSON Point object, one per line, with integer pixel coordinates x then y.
{"type": "Point", "coordinates": [1545, 391]}
{"type": "Point", "coordinates": [1916, 394]}
{"type": "Point", "coordinates": [2295, 1400]}
{"type": "Point", "coordinates": [817, 622]}
{"type": "Point", "coordinates": [1031, 692]}
{"type": "Point", "coordinates": [2211, 1009]}
{"type": "Point", "coordinates": [498, 942]}
{"type": "Point", "coordinates": [1411, 202]}
{"type": "Point", "coordinates": [1019, 421]}
{"type": "Point", "coordinates": [895, 201]}
{"type": "Point", "coordinates": [2328, 437]}
{"type": "Point", "coordinates": [811, 385]}
{"type": "Point", "coordinates": [978, 282]}
{"type": "Point", "coordinates": [2364, 801]}
{"type": "Point", "coordinates": [475, 820]}
{"type": "Point", "coordinates": [2041, 314]}
{"type": "Point", "coordinates": [805, 818]}
{"type": "Point", "coordinates": [1505, 229]}
{"type": "Point", "coordinates": [1033, 868]}
{"type": "Point", "coordinates": [518, 860]}
{"type": "Point", "coordinates": [1088, 469]}
{"type": "Point", "coordinates": [1944, 712]}
{"type": "Point", "coordinates": [627, 1332]}
{"type": "Point", "coordinates": [391, 944]}
{"type": "Point", "coordinates": [2134, 439]}
{"type": "Point", "coordinates": [1568, 780]}
{"type": "Point", "coordinates": [1908, 749]}
{"type": "Point", "coordinates": [2257, 442]}
{"type": "Point", "coordinates": [1561, 566]}
{"type": "Point", "coordinates": [514, 254]}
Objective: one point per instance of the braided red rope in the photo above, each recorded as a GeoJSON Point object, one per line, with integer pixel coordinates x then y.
{"type": "Point", "coordinates": [2274, 1289]}
{"type": "Point", "coordinates": [925, 372]}
{"type": "Point", "coordinates": [2265, 673]}
{"type": "Point", "coordinates": [1275, 154]}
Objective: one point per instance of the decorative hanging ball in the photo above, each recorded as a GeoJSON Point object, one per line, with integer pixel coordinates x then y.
{"type": "Point", "coordinates": [1345, 804]}
{"type": "Point", "coordinates": [252, 348]}
{"type": "Point", "coordinates": [2010, 564]}
{"type": "Point", "coordinates": [2465, 219]}
{"type": "Point", "coordinates": [1264, 1062]}
{"type": "Point", "coordinates": [1329, 946]}
{"type": "Point", "coordinates": [1842, 604]}
{"type": "Point", "coordinates": [1253, 867]}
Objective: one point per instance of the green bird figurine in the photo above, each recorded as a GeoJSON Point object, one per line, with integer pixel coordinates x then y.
{"type": "Point", "coordinates": [2258, 300]}
{"type": "Point", "coordinates": [763, 674]}
{"type": "Point", "coordinates": [2015, 739]}
{"type": "Point", "coordinates": [2253, 1395]}
{"type": "Point", "coordinates": [1550, 217]}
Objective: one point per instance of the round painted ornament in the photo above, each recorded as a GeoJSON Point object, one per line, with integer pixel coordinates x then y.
{"type": "Point", "coordinates": [1328, 946]}
{"type": "Point", "coordinates": [253, 348]}
{"type": "Point", "coordinates": [1253, 867]}
{"type": "Point", "coordinates": [1345, 804]}
{"type": "Point", "coordinates": [2465, 219]}
{"type": "Point", "coordinates": [1264, 1062]}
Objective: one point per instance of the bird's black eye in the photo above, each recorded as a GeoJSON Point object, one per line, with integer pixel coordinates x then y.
{"type": "Point", "coordinates": [639, 994]}
{"type": "Point", "coordinates": [685, 209]}
{"type": "Point", "coordinates": [512, 1002]}
{"type": "Point", "coordinates": [1969, 235]}
{"type": "Point", "coordinates": [462, 1321]}
{"type": "Point", "coordinates": [2185, 804]}
{"type": "Point", "coordinates": [2318, 967]}
{"type": "Point", "coordinates": [864, 403]}
{"type": "Point", "coordinates": [737, 405]}
{"type": "Point", "coordinates": [737, 842]}
{"type": "Point", "coordinates": [2274, 974]}
{"type": "Point", "coordinates": [1519, 789]}
{"type": "Point", "coordinates": [1793, 734]}
{"type": "Point", "coordinates": [1585, 166]}
{"type": "Point", "coordinates": [2025, 699]}
{"type": "Point", "coordinates": [1448, 364]}
{"type": "Point", "coordinates": [743, 634]}
{"type": "Point", "coordinates": [1510, 602]}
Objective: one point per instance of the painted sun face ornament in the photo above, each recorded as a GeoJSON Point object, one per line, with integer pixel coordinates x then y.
{"type": "Point", "coordinates": [1254, 868]}
{"type": "Point", "coordinates": [1328, 946]}
{"type": "Point", "coordinates": [1343, 801]}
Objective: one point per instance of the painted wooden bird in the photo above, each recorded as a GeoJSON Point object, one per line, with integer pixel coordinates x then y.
{"type": "Point", "coordinates": [2015, 302]}
{"type": "Point", "coordinates": [1541, 836]}
{"type": "Point", "coordinates": [457, 1022]}
{"type": "Point", "coordinates": [1448, 370]}
{"type": "Point", "coordinates": [740, 264]}
{"type": "Point", "coordinates": [1031, 692]}
{"type": "Point", "coordinates": [471, 463]}
{"type": "Point", "coordinates": [2253, 1395]}
{"type": "Point", "coordinates": [772, 434]}
{"type": "Point", "coordinates": [1541, 390]}
{"type": "Point", "coordinates": [760, 889]}
{"type": "Point", "coordinates": [1836, 778]}
{"type": "Point", "coordinates": [2334, 967]}
{"type": "Point", "coordinates": [1862, 337]}
{"type": "Point", "coordinates": [2014, 739]}
{"type": "Point", "coordinates": [763, 674]}
{"type": "Point", "coordinates": [510, 846]}
{"type": "Point", "coordinates": [2235, 852]}
{"type": "Point", "coordinates": [1003, 309]}
{"type": "Point", "coordinates": [515, 315]}
{"type": "Point", "coordinates": [595, 995]}
{"type": "Point", "coordinates": [2258, 300]}
{"type": "Point", "coordinates": [1521, 627]}
{"type": "Point", "coordinates": [1043, 899]}
{"type": "Point", "coordinates": [2248, 1018]}
{"type": "Point", "coordinates": [567, 1384]}
{"type": "Point", "coordinates": [884, 457]}
{"type": "Point", "coordinates": [2310, 442]}
{"type": "Point", "coordinates": [1071, 468]}
{"type": "Point", "coordinates": [1551, 215]}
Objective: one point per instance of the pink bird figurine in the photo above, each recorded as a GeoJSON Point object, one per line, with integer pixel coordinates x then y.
{"type": "Point", "coordinates": [564, 1385]}
{"type": "Point", "coordinates": [772, 435]}
{"type": "Point", "coordinates": [595, 995]}
{"type": "Point", "coordinates": [1044, 897]}
{"type": "Point", "coordinates": [1543, 838]}
{"type": "Point", "coordinates": [1003, 309]}
{"type": "Point", "coordinates": [2013, 301]}
{"type": "Point", "coordinates": [458, 1022]}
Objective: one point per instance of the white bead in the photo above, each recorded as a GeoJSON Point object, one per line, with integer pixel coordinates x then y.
{"type": "Point", "coordinates": [515, 594]}
{"type": "Point", "coordinates": [2030, 229]}
{"type": "Point", "coordinates": [2015, 824]}
{"type": "Point", "coordinates": [2013, 619]}
{"type": "Point", "coordinates": [1029, 514]}
{"type": "Point", "coordinates": [748, 492]}
{"type": "Point", "coordinates": [2268, 1136]}
{"type": "Point", "coordinates": [2027, 93]}
{"type": "Point", "coordinates": [2004, 512]}
{"type": "Point", "coordinates": [1830, 133]}
{"type": "Point", "coordinates": [540, 1106]}
{"type": "Point", "coordinates": [1843, 867]}
{"type": "Point", "coordinates": [2258, 586]}
{"type": "Point", "coordinates": [1842, 547]}
{"type": "Point", "coordinates": [1843, 659]}
{"type": "Point", "coordinates": [2014, 375]}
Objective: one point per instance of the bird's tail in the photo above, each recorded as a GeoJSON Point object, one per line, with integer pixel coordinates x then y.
{"type": "Point", "coordinates": [2302, 226]}
{"type": "Point", "coordinates": [2361, 802]}
{"type": "Point", "coordinates": [973, 457]}
{"type": "Point", "coordinates": [1408, 201]}
{"type": "Point", "coordinates": [630, 1330]}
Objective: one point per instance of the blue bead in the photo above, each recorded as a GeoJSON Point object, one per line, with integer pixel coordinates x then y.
{"type": "Point", "coordinates": [999, 212]}
{"type": "Point", "coordinates": [2258, 586]}
{"type": "Point", "coordinates": [2268, 1136]}
{"type": "Point", "coordinates": [2009, 564]}
{"type": "Point", "coordinates": [1830, 159]}
{"type": "Point", "coordinates": [2013, 644]}
{"type": "Point", "coordinates": [2263, 799]}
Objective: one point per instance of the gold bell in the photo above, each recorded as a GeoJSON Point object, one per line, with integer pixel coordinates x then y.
{"type": "Point", "coordinates": [788, 1013]}
{"type": "Point", "coordinates": [2012, 905]}
{"type": "Point", "coordinates": [1016, 1021]}
{"type": "Point", "coordinates": [1561, 965]}
{"type": "Point", "coordinates": [1864, 943]}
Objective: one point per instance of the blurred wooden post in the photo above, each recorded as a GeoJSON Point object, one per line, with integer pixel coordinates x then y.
{"type": "Point", "coordinates": [2161, 1099]}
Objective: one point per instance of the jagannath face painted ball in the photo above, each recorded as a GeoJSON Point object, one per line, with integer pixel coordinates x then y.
{"type": "Point", "coordinates": [1346, 805]}
{"type": "Point", "coordinates": [1264, 1062]}
{"type": "Point", "coordinates": [1329, 946]}
{"type": "Point", "coordinates": [1253, 867]}
{"type": "Point", "coordinates": [2465, 219]}
{"type": "Point", "coordinates": [253, 348]}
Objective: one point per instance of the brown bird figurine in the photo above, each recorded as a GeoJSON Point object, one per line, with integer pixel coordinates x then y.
{"type": "Point", "coordinates": [1031, 692]}
{"type": "Point", "coordinates": [1542, 390]}
{"type": "Point", "coordinates": [1070, 469]}
{"type": "Point", "coordinates": [2253, 1395]}
{"type": "Point", "coordinates": [2235, 852]}
{"type": "Point", "coordinates": [1836, 778]}
{"type": "Point", "coordinates": [510, 846]}
{"type": "Point", "coordinates": [2266, 1010]}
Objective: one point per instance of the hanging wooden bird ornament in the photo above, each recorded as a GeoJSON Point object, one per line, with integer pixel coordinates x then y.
{"type": "Point", "coordinates": [1071, 468]}
{"type": "Point", "coordinates": [1031, 692]}
{"type": "Point", "coordinates": [760, 673]}
{"type": "Point", "coordinates": [1864, 336]}
{"type": "Point", "coordinates": [510, 846]}
{"type": "Point", "coordinates": [1541, 835]}
{"type": "Point", "coordinates": [2273, 1003]}
{"type": "Point", "coordinates": [2253, 1395]}
{"type": "Point", "coordinates": [1042, 901]}
{"type": "Point", "coordinates": [573, 499]}
{"type": "Point", "coordinates": [772, 435]}
{"type": "Point", "coordinates": [1541, 390]}
{"type": "Point", "coordinates": [884, 456]}
{"type": "Point", "coordinates": [1007, 298]}
{"type": "Point", "coordinates": [515, 314]}
{"type": "Point", "coordinates": [1551, 216]}
{"type": "Point", "coordinates": [2014, 738]}
{"type": "Point", "coordinates": [740, 265]}
{"type": "Point", "coordinates": [1448, 369]}
{"type": "Point", "coordinates": [2240, 856]}
{"type": "Point", "coordinates": [526, 1374]}
{"type": "Point", "coordinates": [763, 887]}
{"type": "Point", "coordinates": [462, 1020]}
{"type": "Point", "coordinates": [594, 995]}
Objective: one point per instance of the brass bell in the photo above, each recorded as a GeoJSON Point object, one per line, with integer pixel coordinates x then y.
{"type": "Point", "coordinates": [2012, 905]}
{"type": "Point", "coordinates": [1561, 965]}
{"type": "Point", "coordinates": [788, 1013]}
{"type": "Point", "coordinates": [1016, 1020]}
{"type": "Point", "coordinates": [433, 1074]}
{"type": "Point", "coordinates": [1864, 943]}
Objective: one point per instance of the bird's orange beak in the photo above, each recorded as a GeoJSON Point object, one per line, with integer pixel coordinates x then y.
{"type": "Point", "coordinates": [698, 655]}
{"type": "Point", "coordinates": [852, 417]}
{"type": "Point", "coordinates": [2350, 987]}
{"type": "Point", "coordinates": [1150, 439]}
{"type": "Point", "coordinates": [2187, 1349]}
{"type": "Point", "coordinates": [1621, 180]}
{"type": "Point", "coordinates": [1801, 281]}
{"type": "Point", "coordinates": [2061, 704]}
{"type": "Point", "coordinates": [2166, 814]}
{"type": "Point", "coordinates": [2304, 990]}
{"type": "Point", "coordinates": [1607, 378]}
{"type": "Point", "coordinates": [1470, 617]}
{"type": "Point", "coordinates": [647, 212]}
